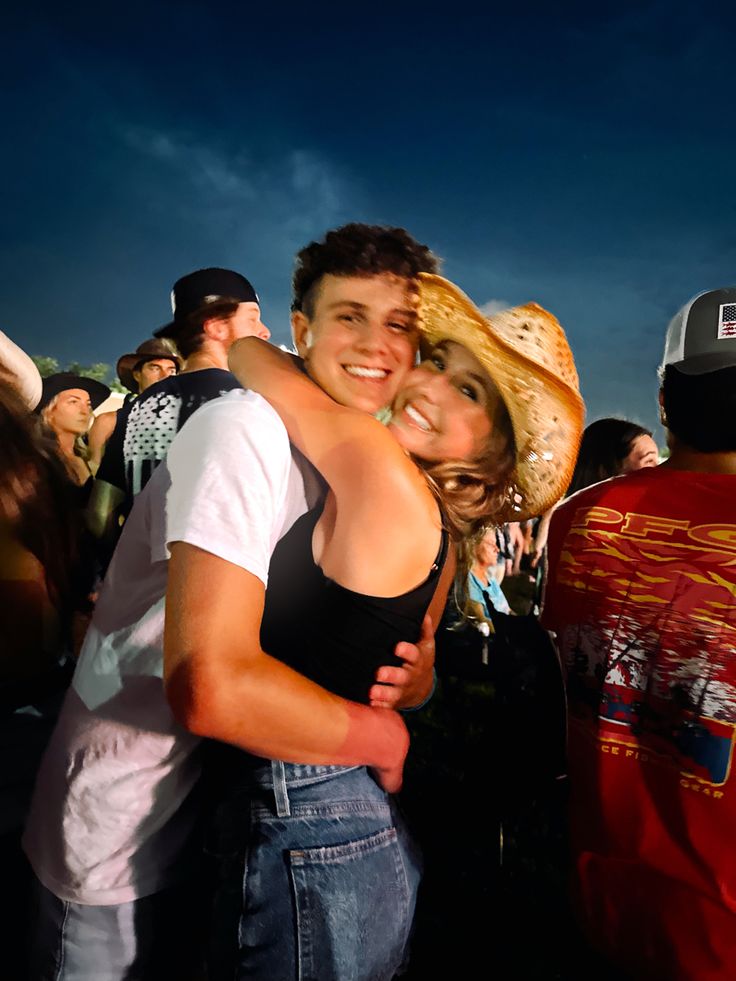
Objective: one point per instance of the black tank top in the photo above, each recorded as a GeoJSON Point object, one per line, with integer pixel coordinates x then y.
{"type": "Point", "coordinates": [328, 633]}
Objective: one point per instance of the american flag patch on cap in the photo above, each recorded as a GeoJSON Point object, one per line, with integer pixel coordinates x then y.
{"type": "Point", "coordinates": [727, 321]}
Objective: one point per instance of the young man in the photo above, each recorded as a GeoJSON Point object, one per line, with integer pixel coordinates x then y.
{"type": "Point", "coordinates": [116, 803]}
{"type": "Point", "coordinates": [151, 362]}
{"type": "Point", "coordinates": [642, 596]}
{"type": "Point", "coordinates": [212, 308]}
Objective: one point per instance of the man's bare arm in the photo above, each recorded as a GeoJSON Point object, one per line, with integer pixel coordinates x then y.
{"type": "Point", "coordinates": [221, 685]}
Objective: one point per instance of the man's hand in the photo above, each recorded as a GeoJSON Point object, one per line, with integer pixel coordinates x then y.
{"type": "Point", "coordinates": [390, 776]}
{"type": "Point", "coordinates": [411, 684]}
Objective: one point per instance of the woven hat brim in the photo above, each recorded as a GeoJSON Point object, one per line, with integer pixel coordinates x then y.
{"type": "Point", "coordinates": [547, 412]}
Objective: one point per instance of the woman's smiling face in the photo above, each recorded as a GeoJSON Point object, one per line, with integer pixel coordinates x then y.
{"type": "Point", "coordinates": [445, 407]}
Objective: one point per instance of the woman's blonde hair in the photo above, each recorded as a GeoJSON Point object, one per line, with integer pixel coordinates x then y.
{"type": "Point", "coordinates": [80, 444]}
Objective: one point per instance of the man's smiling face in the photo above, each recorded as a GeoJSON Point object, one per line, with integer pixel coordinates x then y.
{"type": "Point", "coordinates": [361, 339]}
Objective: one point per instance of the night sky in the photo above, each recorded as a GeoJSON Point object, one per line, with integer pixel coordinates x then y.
{"type": "Point", "coordinates": [579, 155]}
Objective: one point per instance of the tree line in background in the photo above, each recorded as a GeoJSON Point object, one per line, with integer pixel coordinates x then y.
{"type": "Point", "coordinates": [99, 370]}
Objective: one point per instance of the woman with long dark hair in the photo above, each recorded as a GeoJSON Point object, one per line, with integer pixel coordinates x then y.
{"type": "Point", "coordinates": [39, 554]}
{"type": "Point", "coordinates": [610, 447]}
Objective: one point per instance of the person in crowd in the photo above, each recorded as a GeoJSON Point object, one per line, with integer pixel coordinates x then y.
{"type": "Point", "coordinates": [18, 373]}
{"type": "Point", "coordinates": [611, 447]}
{"type": "Point", "coordinates": [641, 595]}
{"type": "Point", "coordinates": [40, 591]}
{"type": "Point", "coordinates": [151, 362]}
{"type": "Point", "coordinates": [455, 455]}
{"type": "Point", "coordinates": [65, 409]}
{"type": "Point", "coordinates": [112, 832]}
{"type": "Point", "coordinates": [211, 309]}
{"type": "Point", "coordinates": [483, 590]}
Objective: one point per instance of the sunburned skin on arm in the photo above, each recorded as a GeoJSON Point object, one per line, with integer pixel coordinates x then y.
{"type": "Point", "coordinates": [221, 685]}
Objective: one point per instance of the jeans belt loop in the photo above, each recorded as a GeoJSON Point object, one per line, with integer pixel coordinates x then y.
{"type": "Point", "coordinates": [280, 793]}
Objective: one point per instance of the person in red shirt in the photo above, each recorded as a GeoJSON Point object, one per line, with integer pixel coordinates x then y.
{"type": "Point", "coordinates": [642, 596]}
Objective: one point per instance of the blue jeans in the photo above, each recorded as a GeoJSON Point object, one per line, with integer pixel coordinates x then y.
{"type": "Point", "coordinates": [317, 877]}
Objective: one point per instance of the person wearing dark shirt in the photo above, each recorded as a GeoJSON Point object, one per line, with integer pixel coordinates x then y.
{"type": "Point", "coordinates": [152, 361]}
{"type": "Point", "coordinates": [212, 308]}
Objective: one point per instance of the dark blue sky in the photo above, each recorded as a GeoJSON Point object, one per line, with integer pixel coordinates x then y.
{"type": "Point", "coordinates": [579, 157]}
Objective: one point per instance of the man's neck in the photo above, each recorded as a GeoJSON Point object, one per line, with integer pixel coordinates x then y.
{"type": "Point", "coordinates": [204, 359]}
{"type": "Point", "coordinates": [685, 458]}
{"type": "Point", "coordinates": [209, 356]}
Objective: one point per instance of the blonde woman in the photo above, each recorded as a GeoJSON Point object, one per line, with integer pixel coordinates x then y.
{"type": "Point", "coordinates": [485, 428]}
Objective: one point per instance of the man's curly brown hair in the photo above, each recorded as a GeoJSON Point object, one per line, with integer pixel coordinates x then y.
{"type": "Point", "coordinates": [357, 250]}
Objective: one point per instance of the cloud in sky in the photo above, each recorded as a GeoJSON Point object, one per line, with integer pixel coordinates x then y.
{"type": "Point", "coordinates": [494, 306]}
{"type": "Point", "coordinates": [294, 189]}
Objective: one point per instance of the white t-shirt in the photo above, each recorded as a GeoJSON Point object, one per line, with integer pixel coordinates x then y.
{"type": "Point", "coordinates": [113, 806]}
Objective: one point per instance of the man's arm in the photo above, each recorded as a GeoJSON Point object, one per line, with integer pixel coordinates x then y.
{"type": "Point", "coordinates": [108, 490]}
{"type": "Point", "coordinates": [97, 437]}
{"type": "Point", "coordinates": [102, 510]}
{"type": "Point", "coordinates": [221, 685]}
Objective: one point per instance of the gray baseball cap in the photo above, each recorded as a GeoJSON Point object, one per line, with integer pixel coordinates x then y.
{"type": "Point", "coordinates": [701, 336]}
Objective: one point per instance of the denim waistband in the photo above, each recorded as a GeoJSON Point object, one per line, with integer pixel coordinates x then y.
{"type": "Point", "coordinates": [278, 777]}
{"type": "Point", "coordinates": [270, 772]}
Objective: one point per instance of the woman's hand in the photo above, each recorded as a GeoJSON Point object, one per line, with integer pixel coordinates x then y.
{"type": "Point", "coordinates": [410, 685]}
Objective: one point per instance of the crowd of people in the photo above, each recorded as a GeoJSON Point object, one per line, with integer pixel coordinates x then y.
{"type": "Point", "coordinates": [246, 607]}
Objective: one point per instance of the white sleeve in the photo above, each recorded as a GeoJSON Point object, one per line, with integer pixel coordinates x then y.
{"type": "Point", "coordinates": [229, 468]}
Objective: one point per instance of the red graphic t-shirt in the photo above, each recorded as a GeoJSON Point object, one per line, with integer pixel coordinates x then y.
{"type": "Point", "coordinates": [642, 595]}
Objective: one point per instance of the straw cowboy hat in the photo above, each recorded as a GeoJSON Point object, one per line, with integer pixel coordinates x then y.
{"type": "Point", "coordinates": [525, 352]}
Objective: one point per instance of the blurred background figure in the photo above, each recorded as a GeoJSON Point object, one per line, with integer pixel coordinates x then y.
{"type": "Point", "coordinates": [65, 410]}
{"type": "Point", "coordinates": [41, 587]}
{"type": "Point", "coordinates": [151, 362]}
{"type": "Point", "coordinates": [609, 448]}
{"type": "Point", "coordinates": [483, 590]}
{"type": "Point", "coordinates": [18, 373]}
{"type": "Point", "coordinates": [211, 308]}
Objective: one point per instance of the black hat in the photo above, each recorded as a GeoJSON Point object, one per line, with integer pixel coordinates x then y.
{"type": "Point", "coordinates": [151, 350]}
{"type": "Point", "coordinates": [192, 292]}
{"type": "Point", "coordinates": [53, 385]}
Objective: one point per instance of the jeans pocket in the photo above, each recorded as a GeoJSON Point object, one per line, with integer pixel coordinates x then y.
{"type": "Point", "coordinates": [353, 909]}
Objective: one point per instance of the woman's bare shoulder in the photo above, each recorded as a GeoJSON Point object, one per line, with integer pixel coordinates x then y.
{"type": "Point", "coordinates": [386, 539]}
